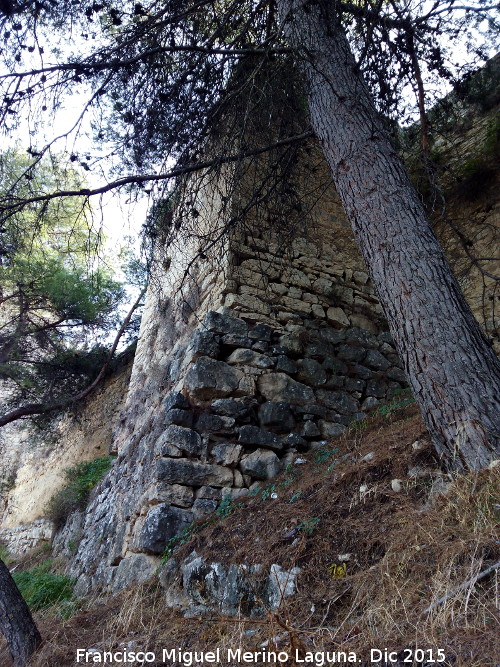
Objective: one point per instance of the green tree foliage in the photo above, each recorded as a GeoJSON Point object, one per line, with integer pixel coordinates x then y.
{"type": "Point", "coordinates": [55, 297]}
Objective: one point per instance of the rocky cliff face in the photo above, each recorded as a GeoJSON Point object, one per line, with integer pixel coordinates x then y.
{"type": "Point", "coordinates": [35, 460]}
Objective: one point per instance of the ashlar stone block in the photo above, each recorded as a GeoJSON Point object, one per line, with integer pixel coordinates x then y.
{"type": "Point", "coordinates": [261, 464]}
{"type": "Point", "coordinates": [192, 473]}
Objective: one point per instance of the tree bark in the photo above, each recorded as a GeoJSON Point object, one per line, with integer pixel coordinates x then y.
{"type": "Point", "coordinates": [16, 622]}
{"type": "Point", "coordinates": [451, 368]}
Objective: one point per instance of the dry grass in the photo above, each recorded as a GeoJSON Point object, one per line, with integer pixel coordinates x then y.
{"type": "Point", "coordinates": [405, 554]}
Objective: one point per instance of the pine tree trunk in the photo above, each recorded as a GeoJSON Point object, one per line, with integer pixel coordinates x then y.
{"type": "Point", "coordinates": [452, 370]}
{"type": "Point", "coordinates": [16, 622]}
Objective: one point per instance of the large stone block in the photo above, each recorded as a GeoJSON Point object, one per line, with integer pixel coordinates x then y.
{"type": "Point", "coordinates": [227, 454]}
{"type": "Point", "coordinates": [161, 523]}
{"type": "Point", "coordinates": [224, 324]}
{"type": "Point", "coordinates": [191, 473]}
{"type": "Point", "coordinates": [208, 379]}
{"type": "Point", "coordinates": [281, 387]}
{"type": "Point", "coordinates": [311, 372]}
{"type": "Point", "coordinates": [231, 408]}
{"type": "Point", "coordinates": [175, 400]}
{"type": "Point", "coordinates": [205, 344]}
{"type": "Point", "coordinates": [255, 436]}
{"type": "Point", "coordinates": [337, 317]}
{"type": "Point", "coordinates": [261, 464]}
{"type": "Point", "coordinates": [376, 361]}
{"type": "Point", "coordinates": [276, 416]}
{"type": "Point", "coordinates": [250, 358]}
{"type": "Point", "coordinates": [338, 400]}
{"type": "Point", "coordinates": [174, 494]}
{"type": "Point", "coordinates": [185, 439]}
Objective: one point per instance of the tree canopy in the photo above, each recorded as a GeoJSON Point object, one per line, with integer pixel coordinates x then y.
{"type": "Point", "coordinates": [57, 297]}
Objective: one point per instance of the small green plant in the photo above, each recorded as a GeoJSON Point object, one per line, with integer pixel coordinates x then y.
{"type": "Point", "coordinates": [323, 455]}
{"type": "Point", "coordinates": [308, 526]}
{"type": "Point", "coordinates": [81, 479]}
{"type": "Point", "coordinates": [178, 540]}
{"type": "Point", "coordinates": [295, 497]}
{"type": "Point", "coordinates": [404, 399]}
{"type": "Point", "coordinates": [42, 588]}
{"type": "Point", "coordinates": [226, 507]}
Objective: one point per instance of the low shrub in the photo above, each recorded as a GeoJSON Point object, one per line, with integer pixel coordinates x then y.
{"type": "Point", "coordinates": [81, 479]}
{"type": "Point", "coordinates": [42, 588]}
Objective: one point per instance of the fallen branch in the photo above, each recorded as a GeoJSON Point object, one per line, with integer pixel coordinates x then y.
{"type": "Point", "coordinates": [466, 584]}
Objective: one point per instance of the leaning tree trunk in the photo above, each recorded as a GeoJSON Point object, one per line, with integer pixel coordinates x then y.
{"type": "Point", "coordinates": [16, 622]}
{"type": "Point", "coordinates": [451, 368]}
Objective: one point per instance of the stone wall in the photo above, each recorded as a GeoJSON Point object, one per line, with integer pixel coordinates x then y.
{"type": "Point", "coordinates": [277, 350]}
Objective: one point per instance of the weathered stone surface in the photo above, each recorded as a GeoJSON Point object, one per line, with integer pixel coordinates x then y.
{"type": "Point", "coordinates": [175, 400]}
{"type": "Point", "coordinates": [318, 349]}
{"type": "Point", "coordinates": [338, 400]}
{"type": "Point", "coordinates": [332, 336]}
{"type": "Point", "coordinates": [260, 332]}
{"type": "Point", "coordinates": [179, 417]}
{"type": "Point", "coordinates": [310, 430]}
{"type": "Point", "coordinates": [360, 337]}
{"type": "Point", "coordinates": [330, 429]}
{"type": "Point", "coordinates": [203, 507]}
{"type": "Point", "coordinates": [199, 587]}
{"type": "Point", "coordinates": [250, 358]}
{"type": "Point", "coordinates": [276, 416]}
{"type": "Point", "coordinates": [376, 388]}
{"type": "Point", "coordinates": [362, 372]}
{"type": "Point", "coordinates": [247, 302]}
{"type": "Point", "coordinates": [261, 464]}
{"type": "Point", "coordinates": [227, 454]}
{"type": "Point", "coordinates": [311, 372]}
{"type": "Point", "coordinates": [236, 340]}
{"type": "Point", "coordinates": [296, 277]}
{"type": "Point", "coordinates": [224, 324]}
{"type": "Point", "coordinates": [210, 493]}
{"type": "Point", "coordinates": [351, 353]}
{"type": "Point", "coordinates": [311, 409]}
{"type": "Point", "coordinates": [376, 361]}
{"type": "Point", "coordinates": [385, 337]}
{"type": "Point", "coordinates": [364, 322]}
{"type": "Point", "coordinates": [231, 408]}
{"type": "Point", "coordinates": [205, 344]}
{"type": "Point", "coordinates": [174, 494]}
{"type": "Point", "coordinates": [337, 317]}
{"type": "Point", "coordinates": [280, 387]}
{"type": "Point", "coordinates": [136, 568]}
{"type": "Point", "coordinates": [353, 384]}
{"type": "Point", "coordinates": [369, 403]}
{"type": "Point", "coordinates": [185, 439]}
{"type": "Point", "coordinates": [318, 311]}
{"type": "Point", "coordinates": [291, 344]}
{"type": "Point", "coordinates": [191, 473]}
{"type": "Point", "coordinates": [295, 440]}
{"type": "Point", "coordinates": [207, 379]}
{"type": "Point", "coordinates": [334, 365]}
{"type": "Point", "coordinates": [210, 423]}
{"type": "Point", "coordinates": [397, 374]}
{"type": "Point", "coordinates": [272, 271]}
{"type": "Point", "coordinates": [286, 365]}
{"type": "Point", "coordinates": [360, 277]}
{"type": "Point", "coordinates": [161, 523]}
{"type": "Point", "coordinates": [258, 437]}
